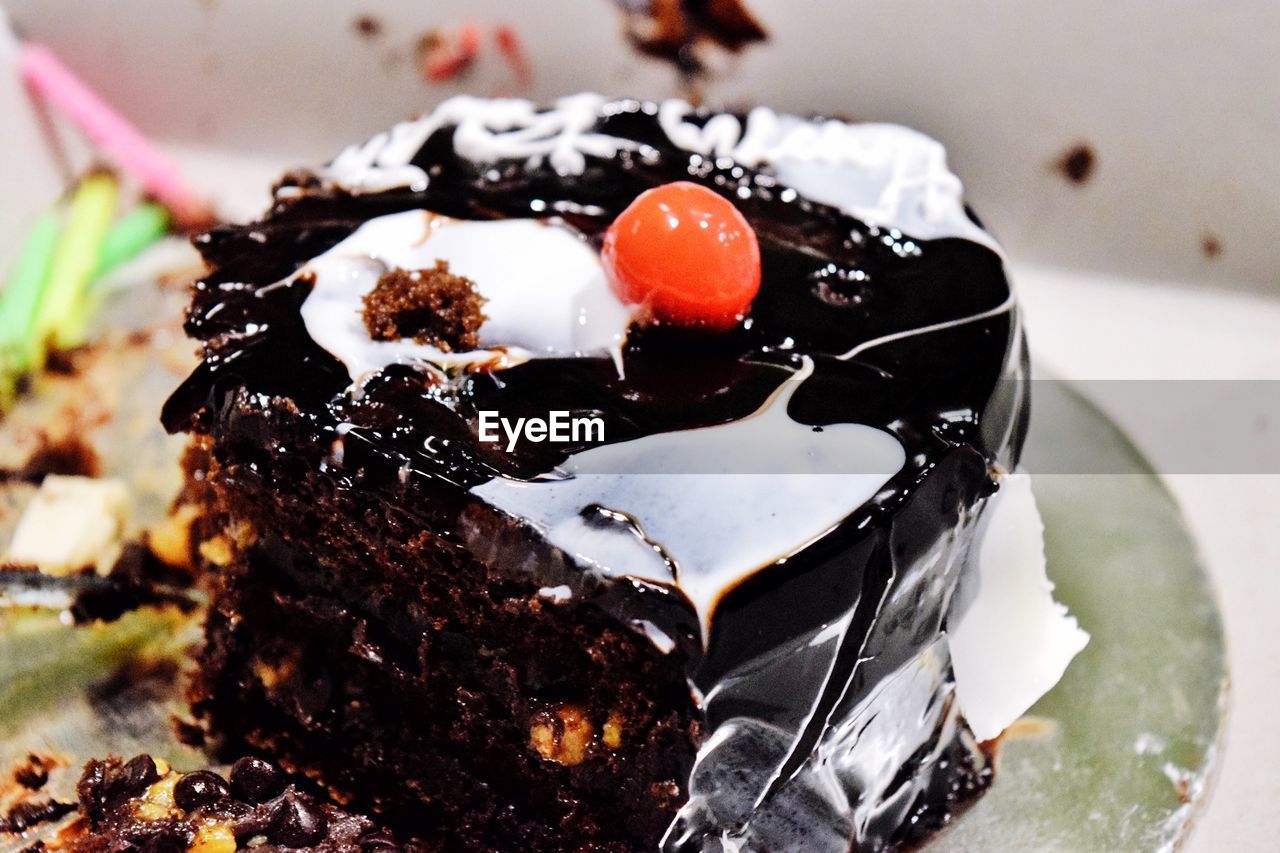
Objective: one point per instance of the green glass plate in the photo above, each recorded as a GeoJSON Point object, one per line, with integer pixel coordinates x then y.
{"type": "Point", "coordinates": [1115, 758]}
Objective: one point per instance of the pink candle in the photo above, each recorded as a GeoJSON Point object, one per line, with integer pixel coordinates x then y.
{"type": "Point", "coordinates": [120, 140]}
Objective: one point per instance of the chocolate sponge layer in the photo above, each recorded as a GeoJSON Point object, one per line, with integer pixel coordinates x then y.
{"type": "Point", "coordinates": [363, 645]}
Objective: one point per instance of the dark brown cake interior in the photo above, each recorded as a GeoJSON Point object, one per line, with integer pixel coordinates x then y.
{"type": "Point", "coordinates": [365, 646]}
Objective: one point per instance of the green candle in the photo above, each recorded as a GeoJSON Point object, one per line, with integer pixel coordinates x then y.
{"type": "Point", "coordinates": [90, 212]}
{"type": "Point", "coordinates": [135, 231]}
{"type": "Point", "coordinates": [20, 300]}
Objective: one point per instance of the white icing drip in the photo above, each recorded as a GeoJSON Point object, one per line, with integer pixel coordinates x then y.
{"type": "Point", "coordinates": [884, 174]}
{"type": "Point", "coordinates": [660, 639]}
{"type": "Point", "coordinates": [546, 291]}
{"type": "Point", "coordinates": [1003, 307]}
{"type": "Point", "coordinates": [705, 532]}
{"type": "Point", "coordinates": [1011, 641]}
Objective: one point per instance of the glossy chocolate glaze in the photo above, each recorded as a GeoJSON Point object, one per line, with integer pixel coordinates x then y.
{"type": "Point", "coordinates": [830, 283]}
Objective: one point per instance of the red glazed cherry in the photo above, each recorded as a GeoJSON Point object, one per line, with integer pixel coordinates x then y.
{"type": "Point", "coordinates": [687, 253]}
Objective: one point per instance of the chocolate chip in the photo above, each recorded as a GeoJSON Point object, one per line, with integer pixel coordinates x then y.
{"type": "Point", "coordinates": [379, 841]}
{"type": "Point", "coordinates": [138, 774]}
{"type": "Point", "coordinates": [256, 780]}
{"type": "Point", "coordinates": [91, 790]}
{"type": "Point", "coordinates": [140, 771]}
{"type": "Point", "coordinates": [201, 788]}
{"type": "Point", "coordinates": [298, 822]}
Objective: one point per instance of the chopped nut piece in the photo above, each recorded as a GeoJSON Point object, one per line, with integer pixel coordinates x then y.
{"type": "Point", "coordinates": [161, 793]}
{"type": "Point", "coordinates": [157, 801]}
{"type": "Point", "coordinates": [170, 540]}
{"type": "Point", "coordinates": [611, 732]}
{"type": "Point", "coordinates": [562, 735]}
{"type": "Point", "coordinates": [217, 550]}
{"type": "Point", "coordinates": [214, 838]}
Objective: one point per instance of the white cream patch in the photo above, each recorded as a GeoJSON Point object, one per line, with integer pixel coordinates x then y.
{"type": "Point", "coordinates": [706, 531]}
{"type": "Point", "coordinates": [1012, 642]}
{"type": "Point", "coordinates": [546, 292]}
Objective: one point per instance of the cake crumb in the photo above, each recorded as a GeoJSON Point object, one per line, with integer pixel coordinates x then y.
{"type": "Point", "coordinates": [430, 306]}
{"type": "Point", "coordinates": [1078, 163]}
{"type": "Point", "coordinates": [674, 30]}
{"type": "Point", "coordinates": [28, 814]}
{"type": "Point", "coordinates": [32, 772]}
{"type": "Point", "coordinates": [367, 26]}
{"type": "Point", "coordinates": [562, 735]}
{"type": "Point", "coordinates": [67, 454]}
{"type": "Point", "coordinates": [1182, 780]}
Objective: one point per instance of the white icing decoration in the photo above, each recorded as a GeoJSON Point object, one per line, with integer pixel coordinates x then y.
{"type": "Point", "coordinates": [1011, 641]}
{"type": "Point", "coordinates": [884, 174]}
{"type": "Point", "coordinates": [487, 129]}
{"type": "Point", "coordinates": [546, 291]}
{"type": "Point", "coordinates": [717, 526]}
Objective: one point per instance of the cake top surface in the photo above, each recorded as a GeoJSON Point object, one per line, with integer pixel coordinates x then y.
{"type": "Point", "coordinates": [874, 278]}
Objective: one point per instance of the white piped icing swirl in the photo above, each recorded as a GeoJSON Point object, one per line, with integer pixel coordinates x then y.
{"type": "Point", "coordinates": [883, 174]}
{"type": "Point", "coordinates": [487, 129]}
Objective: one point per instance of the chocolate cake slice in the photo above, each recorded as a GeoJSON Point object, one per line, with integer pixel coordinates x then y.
{"type": "Point", "coordinates": [611, 476]}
